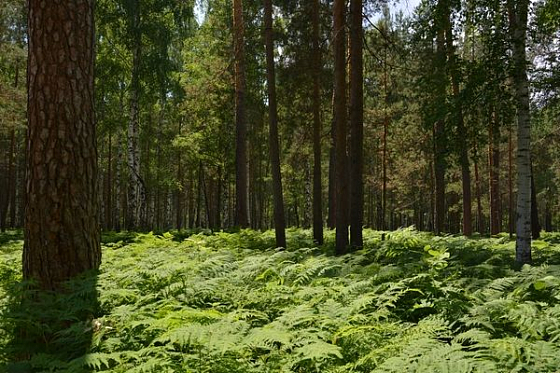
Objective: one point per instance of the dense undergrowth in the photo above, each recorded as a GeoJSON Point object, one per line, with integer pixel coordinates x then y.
{"type": "Point", "coordinates": [229, 302]}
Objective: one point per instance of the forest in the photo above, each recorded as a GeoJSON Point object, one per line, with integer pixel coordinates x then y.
{"type": "Point", "coordinates": [279, 186]}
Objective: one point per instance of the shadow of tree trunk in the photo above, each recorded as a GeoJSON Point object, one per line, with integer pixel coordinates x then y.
{"type": "Point", "coordinates": [47, 331]}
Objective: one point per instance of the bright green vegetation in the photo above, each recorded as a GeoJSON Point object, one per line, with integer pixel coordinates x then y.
{"type": "Point", "coordinates": [229, 303]}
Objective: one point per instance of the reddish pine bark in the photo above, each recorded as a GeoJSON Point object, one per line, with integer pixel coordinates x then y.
{"type": "Point", "coordinates": [61, 214]}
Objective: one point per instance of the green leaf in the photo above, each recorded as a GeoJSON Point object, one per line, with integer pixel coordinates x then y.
{"type": "Point", "coordinates": [539, 285]}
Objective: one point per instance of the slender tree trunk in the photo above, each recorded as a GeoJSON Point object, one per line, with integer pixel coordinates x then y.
{"type": "Point", "coordinates": [518, 10]}
{"type": "Point", "coordinates": [356, 124]}
{"type": "Point", "coordinates": [331, 219]}
{"type": "Point", "coordinates": [432, 185]}
{"type": "Point", "coordinates": [317, 125]}
{"type": "Point", "coordinates": [8, 201]}
{"type": "Point", "coordinates": [274, 147]}
{"type": "Point", "coordinates": [120, 202]}
{"type": "Point", "coordinates": [385, 153]}
{"type": "Point", "coordinates": [180, 190]}
{"type": "Point", "coordinates": [254, 189]}
{"type": "Point", "coordinates": [219, 200]}
{"type": "Point", "coordinates": [439, 179]}
{"type": "Point", "coordinates": [12, 174]}
{"type": "Point", "coordinates": [339, 107]}
{"type": "Point", "coordinates": [198, 222]}
{"type": "Point", "coordinates": [547, 212]}
{"type": "Point", "coordinates": [136, 205]}
{"type": "Point", "coordinates": [191, 203]}
{"type": "Point", "coordinates": [118, 189]}
{"type": "Point", "coordinates": [61, 217]}
{"type": "Point", "coordinates": [494, 163]}
{"type": "Point", "coordinates": [207, 196]}
{"type": "Point", "coordinates": [535, 224]}
{"type": "Point", "coordinates": [510, 183]}
{"type": "Point", "coordinates": [11, 190]}
{"type": "Point", "coordinates": [479, 214]}
{"type": "Point", "coordinates": [12, 186]}
{"type": "Point", "coordinates": [109, 187]}
{"type": "Point", "coordinates": [22, 186]}
{"type": "Point", "coordinates": [4, 197]}
{"type": "Point", "coordinates": [439, 136]}
{"type": "Point", "coordinates": [241, 176]}
{"type": "Point", "coordinates": [462, 137]}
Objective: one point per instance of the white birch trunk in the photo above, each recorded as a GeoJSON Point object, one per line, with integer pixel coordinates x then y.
{"type": "Point", "coordinates": [518, 21]}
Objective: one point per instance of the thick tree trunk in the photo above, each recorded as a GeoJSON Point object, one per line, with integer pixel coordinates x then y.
{"type": "Point", "coordinates": [241, 176]}
{"type": "Point", "coordinates": [339, 107]}
{"type": "Point", "coordinates": [518, 10]}
{"type": "Point", "coordinates": [317, 174]}
{"type": "Point", "coordinates": [274, 147]}
{"type": "Point", "coordinates": [356, 124]}
{"type": "Point", "coordinates": [61, 215]}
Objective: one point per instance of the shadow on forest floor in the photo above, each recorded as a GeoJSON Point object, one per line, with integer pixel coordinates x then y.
{"type": "Point", "coordinates": [48, 332]}
{"type": "Point", "coordinates": [44, 331]}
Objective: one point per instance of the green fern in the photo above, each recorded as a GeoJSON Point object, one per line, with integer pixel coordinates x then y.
{"type": "Point", "coordinates": [231, 302]}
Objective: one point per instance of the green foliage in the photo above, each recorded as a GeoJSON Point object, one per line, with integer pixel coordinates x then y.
{"type": "Point", "coordinates": [229, 302]}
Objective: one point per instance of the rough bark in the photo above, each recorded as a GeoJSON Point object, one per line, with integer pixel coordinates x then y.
{"type": "Point", "coordinates": [317, 182]}
{"type": "Point", "coordinates": [61, 212]}
{"type": "Point", "coordinates": [356, 124]}
{"type": "Point", "coordinates": [274, 147]}
{"type": "Point", "coordinates": [339, 108]}
{"type": "Point", "coordinates": [241, 175]}
{"type": "Point", "coordinates": [518, 10]}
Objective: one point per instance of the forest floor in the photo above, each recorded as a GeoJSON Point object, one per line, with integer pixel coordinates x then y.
{"type": "Point", "coordinates": [229, 302]}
